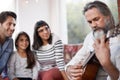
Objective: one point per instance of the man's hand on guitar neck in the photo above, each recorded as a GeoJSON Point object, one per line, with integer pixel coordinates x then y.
{"type": "Point", "coordinates": [102, 52]}
{"type": "Point", "coordinates": [75, 72]}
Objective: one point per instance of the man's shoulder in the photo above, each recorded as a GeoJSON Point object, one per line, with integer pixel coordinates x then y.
{"type": "Point", "coordinates": [90, 33]}
{"type": "Point", "coordinates": [9, 39]}
{"type": "Point", "coordinates": [89, 36]}
{"type": "Point", "coordinates": [8, 42]}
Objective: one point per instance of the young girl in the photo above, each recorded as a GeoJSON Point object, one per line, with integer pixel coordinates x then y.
{"type": "Point", "coordinates": [49, 51]}
{"type": "Point", "coordinates": [22, 64]}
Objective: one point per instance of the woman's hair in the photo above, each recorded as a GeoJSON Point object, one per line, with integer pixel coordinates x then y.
{"type": "Point", "coordinates": [103, 8]}
{"type": "Point", "coordinates": [30, 56]}
{"type": "Point", "coordinates": [37, 41]}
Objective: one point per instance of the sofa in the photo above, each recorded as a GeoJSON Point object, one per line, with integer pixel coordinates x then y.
{"type": "Point", "coordinates": [70, 50]}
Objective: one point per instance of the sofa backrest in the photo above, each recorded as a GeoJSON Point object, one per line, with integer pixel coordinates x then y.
{"type": "Point", "coordinates": [70, 50]}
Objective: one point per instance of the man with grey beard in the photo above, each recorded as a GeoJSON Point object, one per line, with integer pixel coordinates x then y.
{"type": "Point", "coordinates": [106, 51]}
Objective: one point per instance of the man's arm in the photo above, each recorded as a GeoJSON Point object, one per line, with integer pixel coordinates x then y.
{"type": "Point", "coordinates": [73, 68]}
{"type": "Point", "coordinates": [102, 52]}
{"type": "Point", "coordinates": [111, 70]}
{"type": "Point", "coordinates": [7, 49]}
{"type": "Point", "coordinates": [81, 54]}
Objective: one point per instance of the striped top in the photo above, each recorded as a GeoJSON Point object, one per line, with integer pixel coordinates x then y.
{"type": "Point", "coordinates": [51, 55]}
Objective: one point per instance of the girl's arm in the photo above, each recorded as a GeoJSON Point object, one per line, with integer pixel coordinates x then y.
{"type": "Point", "coordinates": [36, 69]}
{"type": "Point", "coordinates": [11, 67]}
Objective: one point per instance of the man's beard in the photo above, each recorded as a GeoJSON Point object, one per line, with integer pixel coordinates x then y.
{"type": "Point", "coordinates": [106, 30]}
{"type": "Point", "coordinates": [109, 26]}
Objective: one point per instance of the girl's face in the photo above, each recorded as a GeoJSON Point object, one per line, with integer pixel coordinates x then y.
{"type": "Point", "coordinates": [22, 42]}
{"type": "Point", "coordinates": [44, 33]}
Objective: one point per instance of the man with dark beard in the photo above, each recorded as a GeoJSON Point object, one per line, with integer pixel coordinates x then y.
{"type": "Point", "coordinates": [7, 22]}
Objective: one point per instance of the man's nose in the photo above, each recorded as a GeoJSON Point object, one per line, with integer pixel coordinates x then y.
{"type": "Point", "coordinates": [94, 25]}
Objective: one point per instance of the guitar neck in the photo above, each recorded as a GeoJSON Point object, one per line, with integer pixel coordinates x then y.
{"type": "Point", "coordinates": [88, 59]}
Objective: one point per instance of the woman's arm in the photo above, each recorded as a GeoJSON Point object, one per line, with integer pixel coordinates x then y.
{"type": "Point", "coordinates": [60, 57]}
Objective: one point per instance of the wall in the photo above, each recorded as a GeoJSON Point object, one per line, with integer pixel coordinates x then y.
{"type": "Point", "coordinates": [52, 11]}
{"type": "Point", "coordinates": [7, 5]}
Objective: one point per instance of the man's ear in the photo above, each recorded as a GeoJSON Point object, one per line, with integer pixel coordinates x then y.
{"type": "Point", "coordinates": [0, 24]}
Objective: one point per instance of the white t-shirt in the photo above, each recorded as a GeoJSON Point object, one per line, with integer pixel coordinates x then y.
{"type": "Point", "coordinates": [17, 68]}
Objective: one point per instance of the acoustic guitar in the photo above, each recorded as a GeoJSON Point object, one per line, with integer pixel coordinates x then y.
{"type": "Point", "coordinates": [91, 64]}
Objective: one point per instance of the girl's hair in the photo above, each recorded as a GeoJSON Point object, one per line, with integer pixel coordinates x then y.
{"type": "Point", "coordinates": [30, 55]}
{"type": "Point", "coordinates": [37, 41]}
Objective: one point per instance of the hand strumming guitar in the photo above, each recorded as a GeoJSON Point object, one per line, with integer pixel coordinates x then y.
{"type": "Point", "coordinates": [75, 72]}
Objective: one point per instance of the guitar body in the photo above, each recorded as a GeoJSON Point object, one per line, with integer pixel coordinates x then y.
{"type": "Point", "coordinates": [91, 69]}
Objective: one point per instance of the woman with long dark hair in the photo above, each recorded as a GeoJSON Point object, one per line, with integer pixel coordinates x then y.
{"type": "Point", "coordinates": [49, 52]}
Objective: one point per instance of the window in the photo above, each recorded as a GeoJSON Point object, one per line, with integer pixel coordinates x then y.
{"type": "Point", "coordinates": [77, 26]}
